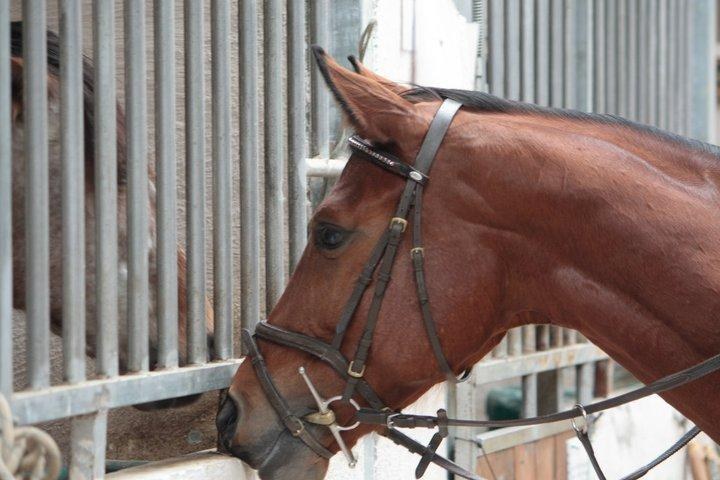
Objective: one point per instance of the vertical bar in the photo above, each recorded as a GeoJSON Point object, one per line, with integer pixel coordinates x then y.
{"type": "Point", "coordinates": [274, 138]}
{"type": "Point", "coordinates": [643, 51]}
{"type": "Point", "coordinates": [512, 55]}
{"type": "Point", "coordinates": [702, 64]}
{"type": "Point", "coordinates": [583, 55]}
{"type": "Point", "coordinates": [249, 171]}
{"type": "Point", "coordinates": [36, 191]}
{"type": "Point", "coordinates": [662, 72]}
{"type": "Point", "coordinates": [195, 178]}
{"type": "Point", "coordinates": [542, 55]}
{"type": "Point", "coordinates": [632, 63]}
{"type": "Point", "coordinates": [570, 65]}
{"type": "Point", "coordinates": [88, 438]}
{"type": "Point", "coordinates": [222, 179]}
{"type": "Point", "coordinates": [106, 233]}
{"type": "Point", "coordinates": [529, 382]}
{"type": "Point", "coordinates": [682, 64]}
{"type": "Point", "coordinates": [673, 66]}
{"type": "Point", "coordinates": [556, 52]}
{"type": "Point", "coordinates": [527, 51]}
{"type": "Point", "coordinates": [585, 374]}
{"type": "Point", "coordinates": [138, 224]}
{"type": "Point", "coordinates": [621, 59]}
{"type": "Point", "coordinates": [496, 34]}
{"type": "Point", "coordinates": [297, 130]}
{"type": "Point", "coordinates": [599, 77]}
{"type": "Point", "coordinates": [611, 55]}
{"type": "Point", "coordinates": [6, 353]}
{"type": "Point", "coordinates": [73, 181]}
{"type": "Point", "coordinates": [652, 54]}
{"type": "Point", "coordinates": [320, 113]}
{"type": "Point", "coordinates": [165, 154]}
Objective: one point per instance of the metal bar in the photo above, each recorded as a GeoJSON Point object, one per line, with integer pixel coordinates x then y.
{"type": "Point", "coordinates": [195, 180]}
{"type": "Point", "coordinates": [35, 406]}
{"type": "Point", "coordinates": [610, 62]}
{"type": "Point", "coordinates": [621, 55]}
{"type": "Point", "coordinates": [274, 139]}
{"type": "Point", "coordinates": [297, 130]}
{"type": "Point", "coordinates": [570, 45]}
{"type": "Point", "coordinates": [73, 198]}
{"type": "Point", "coordinates": [662, 72]}
{"type": "Point", "coordinates": [496, 60]}
{"type": "Point", "coordinates": [643, 51]}
{"type": "Point", "coordinates": [138, 300]}
{"type": "Point", "coordinates": [527, 51]}
{"type": "Point", "coordinates": [249, 169]}
{"type": "Point", "coordinates": [6, 301]}
{"type": "Point", "coordinates": [222, 180]}
{"type": "Point", "coordinates": [600, 62]}
{"type": "Point", "coordinates": [557, 14]}
{"type": "Point", "coordinates": [529, 395]}
{"type": "Point", "coordinates": [675, 63]}
{"type": "Point", "coordinates": [165, 157]}
{"type": "Point", "coordinates": [631, 58]}
{"type": "Point", "coordinates": [542, 52]}
{"type": "Point", "coordinates": [320, 111]}
{"type": "Point", "coordinates": [702, 83]}
{"type": "Point", "coordinates": [36, 193]}
{"type": "Point", "coordinates": [583, 52]}
{"type": "Point", "coordinates": [513, 80]}
{"type": "Point", "coordinates": [106, 233]}
{"type": "Point", "coordinates": [88, 437]}
{"type": "Point", "coordinates": [584, 376]}
{"type": "Point", "coordinates": [497, 369]}
{"type": "Point", "coordinates": [651, 88]}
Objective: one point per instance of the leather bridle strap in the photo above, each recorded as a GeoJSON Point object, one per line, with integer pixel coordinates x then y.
{"type": "Point", "coordinates": [292, 422]}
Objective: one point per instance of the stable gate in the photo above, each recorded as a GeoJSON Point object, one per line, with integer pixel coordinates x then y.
{"type": "Point", "coordinates": [647, 60]}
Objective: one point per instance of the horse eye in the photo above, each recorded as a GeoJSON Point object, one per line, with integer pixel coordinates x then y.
{"type": "Point", "coordinates": [330, 237]}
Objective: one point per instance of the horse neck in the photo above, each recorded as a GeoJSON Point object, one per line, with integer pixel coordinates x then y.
{"type": "Point", "coordinates": [613, 236]}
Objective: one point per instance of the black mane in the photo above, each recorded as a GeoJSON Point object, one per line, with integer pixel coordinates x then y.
{"type": "Point", "coordinates": [485, 102]}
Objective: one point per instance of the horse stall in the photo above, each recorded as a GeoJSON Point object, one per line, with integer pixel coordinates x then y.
{"type": "Point", "coordinates": [172, 154]}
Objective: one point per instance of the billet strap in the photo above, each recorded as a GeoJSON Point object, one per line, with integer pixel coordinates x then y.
{"type": "Point", "coordinates": [292, 422]}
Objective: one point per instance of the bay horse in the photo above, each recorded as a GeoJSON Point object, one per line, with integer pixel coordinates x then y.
{"type": "Point", "coordinates": [585, 221]}
{"type": "Point", "coordinates": [55, 196]}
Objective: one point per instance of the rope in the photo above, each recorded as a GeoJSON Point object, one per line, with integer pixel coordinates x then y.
{"type": "Point", "coordinates": [26, 453]}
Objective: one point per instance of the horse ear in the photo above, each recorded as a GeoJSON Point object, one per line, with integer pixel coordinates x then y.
{"type": "Point", "coordinates": [360, 69]}
{"type": "Point", "coordinates": [376, 112]}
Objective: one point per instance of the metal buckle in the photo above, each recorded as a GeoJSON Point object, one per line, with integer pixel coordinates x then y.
{"type": "Point", "coordinates": [399, 221]}
{"type": "Point", "coordinates": [299, 431]}
{"type": "Point", "coordinates": [389, 421]}
{"type": "Point", "coordinates": [353, 373]}
{"type": "Point", "coordinates": [417, 250]}
{"type": "Point", "coordinates": [584, 428]}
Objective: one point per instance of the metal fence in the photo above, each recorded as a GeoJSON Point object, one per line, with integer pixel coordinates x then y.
{"type": "Point", "coordinates": [644, 60]}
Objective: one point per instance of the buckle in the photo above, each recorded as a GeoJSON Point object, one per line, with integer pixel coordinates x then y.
{"type": "Point", "coordinates": [398, 221]}
{"type": "Point", "coordinates": [353, 373]}
{"type": "Point", "coordinates": [417, 251]}
{"type": "Point", "coordinates": [389, 420]}
{"type": "Point", "coordinates": [584, 428]}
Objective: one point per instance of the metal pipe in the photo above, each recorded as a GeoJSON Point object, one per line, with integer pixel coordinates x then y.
{"type": "Point", "coordinates": [6, 344]}
{"type": "Point", "coordinates": [195, 178]}
{"type": "Point", "coordinates": [249, 170]}
{"type": "Point", "coordinates": [513, 28]}
{"type": "Point", "coordinates": [320, 110]}
{"type": "Point", "coordinates": [570, 46]}
{"type": "Point", "coordinates": [600, 62]}
{"type": "Point", "coordinates": [297, 130]}
{"type": "Point", "coordinates": [557, 14]}
{"type": "Point", "coordinates": [611, 57]}
{"type": "Point", "coordinates": [662, 72]}
{"type": "Point", "coordinates": [643, 49]}
{"type": "Point", "coordinates": [651, 88]}
{"type": "Point", "coordinates": [527, 49]}
{"type": "Point", "coordinates": [496, 60]}
{"type": "Point", "coordinates": [106, 233]}
{"type": "Point", "coordinates": [542, 67]}
{"type": "Point", "coordinates": [621, 107]}
{"type": "Point", "coordinates": [165, 157]}
{"type": "Point", "coordinates": [138, 300]}
{"type": "Point", "coordinates": [73, 198]}
{"type": "Point", "coordinates": [274, 140]}
{"type": "Point", "coordinates": [35, 110]}
{"type": "Point", "coordinates": [222, 180]}
{"type": "Point", "coordinates": [632, 64]}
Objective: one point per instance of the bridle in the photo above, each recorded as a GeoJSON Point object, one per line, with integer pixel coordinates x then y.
{"type": "Point", "coordinates": [379, 267]}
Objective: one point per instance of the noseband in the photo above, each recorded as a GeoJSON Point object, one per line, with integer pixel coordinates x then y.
{"type": "Point", "coordinates": [381, 261]}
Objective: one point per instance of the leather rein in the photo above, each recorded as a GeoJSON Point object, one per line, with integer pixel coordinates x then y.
{"type": "Point", "coordinates": [378, 267]}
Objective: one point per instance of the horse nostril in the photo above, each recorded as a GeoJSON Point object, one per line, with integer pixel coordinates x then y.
{"type": "Point", "coordinates": [226, 421]}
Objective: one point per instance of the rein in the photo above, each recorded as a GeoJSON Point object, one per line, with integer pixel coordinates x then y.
{"type": "Point", "coordinates": [381, 261]}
